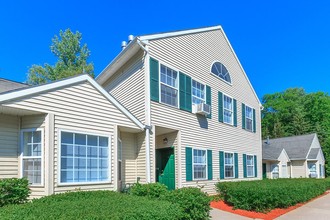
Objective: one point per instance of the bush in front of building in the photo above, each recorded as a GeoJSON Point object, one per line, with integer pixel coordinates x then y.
{"type": "Point", "coordinates": [265, 195]}
{"type": "Point", "coordinates": [14, 191]}
{"type": "Point", "coordinates": [93, 205]}
{"type": "Point", "coordinates": [194, 203]}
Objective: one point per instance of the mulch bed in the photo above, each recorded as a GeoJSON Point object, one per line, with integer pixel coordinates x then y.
{"type": "Point", "coordinates": [251, 214]}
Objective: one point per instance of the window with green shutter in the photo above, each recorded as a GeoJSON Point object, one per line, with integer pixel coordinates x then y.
{"type": "Point", "coordinates": [235, 113]}
{"type": "Point", "coordinates": [221, 165]}
{"type": "Point", "coordinates": [220, 106]}
{"type": "Point", "coordinates": [185, 92]}
{"type": "Point", "coordinates": [236, 164]}
{"type": "Point", "coordinates": [209, 165]}
{"type": "Point", "coordinates": [154, 79]}
{"type": "Point", "coordinates": [244, 166]}
{"type": "Point", "coordinates": [189, 164]}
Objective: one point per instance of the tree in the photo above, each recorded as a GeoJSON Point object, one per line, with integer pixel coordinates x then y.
{"type": "Point", "coordinates": [72, 60]}
{"type": "Point", "coordinates": [294, 112]}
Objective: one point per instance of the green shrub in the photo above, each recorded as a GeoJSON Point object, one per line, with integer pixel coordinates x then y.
{"type": "Point", "coordinates": [13, 191]}
{"type": "Point", "coordinates": [150, 190]}
{"type": "Point", "coordinates": [195, 203]}
{"type": "Point", "coordinates": [93, 205]}
{"type": "Point", "coordinates": [264, 195]}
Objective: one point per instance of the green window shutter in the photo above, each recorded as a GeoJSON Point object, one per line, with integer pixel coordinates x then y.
{"type": "Point", "coordinates": [243, 115]}
{"type": "Point", "coordinates": [236, 164]}
{"type": "Point", "coordinates": [189, 164]}
{"type": "Point", "coordinates": [220, 106]}
{"type": "Point", "coordinates": [255, 166]}
{"type": "Point", "coordinates": [185, 92]}
{"type": "Point", "coordinates": [244, 166]}
{"type": "Point", "coordinates": [208, 99]}
{"type": "Point", "coordinates": [235, 113]}
{"type": "Point", "coordinates": [254, 121]}
{"type": "Point", "coordinates": [182, 88]}
{"type": "Point", "coordinates": [209, 165]}
{"type": "Point", "coordinates": [221, 165]}
{"type": "Point", "coordinates": [154, 80]}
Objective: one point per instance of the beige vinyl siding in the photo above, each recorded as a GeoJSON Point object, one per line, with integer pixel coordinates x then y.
{"type": "Point", "coordinates": [299, 168]}
{"type": "Point", "coordinates": [78, 108]}
{"type": "Point", "coordinates": [141, 158]}
{"type": "Point", "coordinates": [127, 85]}
{"type": "Point", "coordinates": [9, 146]}
{"type": "Point", "coordinates": [193, 55]}
{"type": "Point", "coordinates": [129, 157]}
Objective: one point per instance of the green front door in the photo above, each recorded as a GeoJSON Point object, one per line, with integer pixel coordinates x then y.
{"type": "Point", "coordinates": [165, 168]}
{"type": "Point", "coordinates": [264, 173]}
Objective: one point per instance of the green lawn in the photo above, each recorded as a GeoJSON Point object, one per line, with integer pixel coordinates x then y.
{"type": "Point", "coordinates": [92, 205]}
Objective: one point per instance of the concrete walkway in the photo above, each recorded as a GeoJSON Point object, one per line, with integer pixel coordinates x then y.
{"type": "Point", "coordinates": [318, 209]}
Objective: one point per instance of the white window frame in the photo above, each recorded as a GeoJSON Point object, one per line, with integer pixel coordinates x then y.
{"type": "Point", "coordinates": [272, 166]}
{"type": "Point", "coordinates": [253, 174]}
{"type": "Point", "coordinates": [225, 109]}
{"type": "Point", "coordinates": [229, 83]}
{"type": "Point", "coordinates": [193, 164]}
{"type": "Point", "coordinates": [246, 117]}
{"type": "Point", "coordinates": [161, 83]}
{"type": "Point", "coordinates": [193, 96]}
{"type": "Point", "coordinates": [224, 165]}
{"type": "Point", "coordinates": [59, 146]}
{"type": "Point", "coordinates": [22, 157]}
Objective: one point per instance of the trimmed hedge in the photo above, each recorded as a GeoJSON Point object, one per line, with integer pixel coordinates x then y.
{"type": "Point", "coordinates": [264, 195]}
{"type": "Point", "coordinates": [93, 205]}
{"type": "Point", "coordinates": [193, 202]}
{"type": "Point", "coordinates": [13, 191]}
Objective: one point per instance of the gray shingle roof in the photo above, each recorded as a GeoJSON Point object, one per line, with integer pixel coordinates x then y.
{"type": "Point", "coordinates": [296, 147]}
{"type": "Point", "coordinates": [313, 153]}
{"type": "Point", "coordinates": [8, 85]}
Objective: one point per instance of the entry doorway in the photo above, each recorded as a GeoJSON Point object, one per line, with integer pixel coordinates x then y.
{"type": "Point", "coordinates": [264, 171]}
{"type": "Point", "coordinates": [165, 167]}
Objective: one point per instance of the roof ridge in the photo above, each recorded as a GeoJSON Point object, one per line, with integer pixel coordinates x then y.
{"type": "Point", "coordinates": [294, 136]}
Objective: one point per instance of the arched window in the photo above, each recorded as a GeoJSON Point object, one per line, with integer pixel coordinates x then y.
{"type": "Point", "coordinates": [221, 71]}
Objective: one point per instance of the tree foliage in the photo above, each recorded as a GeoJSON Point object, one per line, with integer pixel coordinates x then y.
{"type": "Point", "coordinates": [72, 60]}
{"type": "Point", "coordinates": [295, 112]}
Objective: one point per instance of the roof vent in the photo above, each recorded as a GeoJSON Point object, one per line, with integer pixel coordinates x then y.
{"type": "Point", "coordinates": [130, 38]}
{"type": "Point", "coordinates": [123, 45]}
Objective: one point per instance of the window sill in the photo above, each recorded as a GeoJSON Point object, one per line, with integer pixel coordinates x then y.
{"type": "Point", "coordinates": [37, 186]}
{"type": "Point", "coordinates": [226, 178]}
{"type": "Point", "coordinates": [231, 125]}
{"type": "Point", "coordinates": [83, 183]}
{"type": "Point", "coordinates": [200, 180]}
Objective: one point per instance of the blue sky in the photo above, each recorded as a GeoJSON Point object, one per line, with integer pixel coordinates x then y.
{"type": "Point", "coordinates": [280, 44]}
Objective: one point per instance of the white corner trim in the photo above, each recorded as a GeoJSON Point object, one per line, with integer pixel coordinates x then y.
{"type": "Point", "coordinates": [66, 82]}
{"type": "Point", "coordinates": [178, 33]}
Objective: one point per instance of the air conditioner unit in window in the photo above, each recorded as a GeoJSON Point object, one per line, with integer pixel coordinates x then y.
{"type": "Point", "coordinates": [203, 109]}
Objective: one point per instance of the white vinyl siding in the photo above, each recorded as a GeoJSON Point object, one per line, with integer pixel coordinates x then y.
{"type": "Point", "coordinates": [84, 158]}
{"type": "Point", "coordinates": [250, 165]}
{"type": "Point", "coordinates": [248, 118]}
{"type": "Point", "coordinates": [229, 165]}
{"type": "Point", "coordinates": [199, 164]}
{"type": "Point", "coordinates": [169, 92]}
{"type": "Point", "coordinates": [32, 146]}
{"type": "Point", "coordinates": [228, 115]}
{"type": "Point", "coordinates": [193, 55]}
{"type": "Point", "coordinates": [198, 92]}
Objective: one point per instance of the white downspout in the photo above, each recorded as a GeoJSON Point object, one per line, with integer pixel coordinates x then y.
{"type": "Point", "coordinates": [148, 126]}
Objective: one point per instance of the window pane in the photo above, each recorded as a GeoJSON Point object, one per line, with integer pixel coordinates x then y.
{"type": "Point", "coordinates": [67, 163]}
{"type": "Point", "coordinates": [169, 95]}
{"type": "Point", "coordinates": [198, 95]}
{"type": "Point", "coordinates": [221, 71]}
{"type": "Point", "coordinates": [80, 139]}
{"type": "Point", "coordinates": [250, 171]}
{"type": "Point", "coordinates": [92, 140]}
{"type": "Point", "coordinates": [103, 141]}
{"type": "Point", "coordinates": [66, 138]}
{"type": "Point", "coordinates": [32, 170]}
{"type": "Point", "coordinates": [229, 171]}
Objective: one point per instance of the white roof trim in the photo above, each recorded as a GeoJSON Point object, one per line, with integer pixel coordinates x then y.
{"type": "Point", "coordinates": [178, 33]}
{"type": "Point", "coordinates": [240, 65]}
{"type": "Point", "coordinates": [66, 82]}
